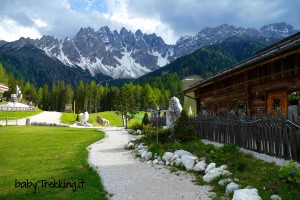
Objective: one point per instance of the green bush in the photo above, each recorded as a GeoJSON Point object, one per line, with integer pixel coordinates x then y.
{"type": "Point", "coordinates": [290, 172]}
{"type": "Point", "coordinates": [136, 126]}
{"type": "Point", "coordinates": [151, 134]}
{"type": "Point", "coordinates": [183, 129]}
{"type": "Point", "coordinates": [145, 120]}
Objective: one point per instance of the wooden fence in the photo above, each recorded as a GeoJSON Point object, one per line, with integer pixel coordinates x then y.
{"type": "Point", "coordinates": [275, 136]}
{"type": "Point", "coordinates": [4, 121]}
{"type": "Point", "coordinates": [272, 136]}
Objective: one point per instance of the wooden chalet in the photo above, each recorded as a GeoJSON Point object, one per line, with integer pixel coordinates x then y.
{"type": "Point", "coordinates": [261, 82]}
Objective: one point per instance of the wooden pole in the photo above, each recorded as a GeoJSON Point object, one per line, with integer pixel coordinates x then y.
{"type": "Point", "coordinates": [74, 106]}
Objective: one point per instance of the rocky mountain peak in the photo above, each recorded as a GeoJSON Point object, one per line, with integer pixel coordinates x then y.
{"type": "Point", "coordinates": [277, 30]}
{"type": "Point", "coordinates": [127, 54]}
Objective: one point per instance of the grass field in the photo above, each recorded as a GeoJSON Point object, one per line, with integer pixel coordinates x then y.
{"type": "Point", "coordinates": [20, 114]}
{"type": "Point", "coordinates": [114, 119]}
{"type": "Point", "coordinates": [187, 81]}
{"type": "Point", "coordinates": [47, 153]}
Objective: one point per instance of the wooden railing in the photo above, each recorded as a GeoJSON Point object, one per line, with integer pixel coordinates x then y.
{"type": "Point", "coordinates": [274, 136]}
{"type": "Point", "coordinates": [8, 120]}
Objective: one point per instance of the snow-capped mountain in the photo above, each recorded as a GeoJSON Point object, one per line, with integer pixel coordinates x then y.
{"type": "Point", "coordinates": [117, 54]}
{"type": "Point", "coordinates": [125, 54]}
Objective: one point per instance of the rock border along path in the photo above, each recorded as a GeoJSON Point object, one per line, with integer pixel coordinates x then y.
{"type": "Point", "coordinates": [125, 178]}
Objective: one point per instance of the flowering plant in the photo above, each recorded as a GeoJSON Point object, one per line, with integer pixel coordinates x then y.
{"type": "Point", "coordinates": [293, 98]}
{"type": "Point", "coordinates": [290, 171]}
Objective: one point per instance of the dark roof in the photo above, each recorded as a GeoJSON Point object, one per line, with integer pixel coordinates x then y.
{"type": "Point", "coordinates": [271, 51]}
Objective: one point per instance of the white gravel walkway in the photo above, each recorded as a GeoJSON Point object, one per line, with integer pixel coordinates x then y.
{"type": "Point", "coordinates": [46, 116]}
{"type": "Point", "coordinates": [126, 178]}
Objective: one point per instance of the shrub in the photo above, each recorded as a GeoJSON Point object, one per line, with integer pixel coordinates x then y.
{"type": "Point", "coordinates": [151, 134]}
{"type": "Point", "coordinates": [183, 129]}
{"type": "Point", "coordinates": [145, 120]}
{"type": "Point", "coordinates": [78, 118]}
{"type": "Point", "coordinates": [290, 172]}
{"type": "Point", "coordinates": [136, 126]}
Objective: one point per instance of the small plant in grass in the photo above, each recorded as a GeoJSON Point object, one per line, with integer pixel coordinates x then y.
{"type": "Point", "coordinates": [290, 172]}
{"type": "Point", "coordinates": [177, 144]}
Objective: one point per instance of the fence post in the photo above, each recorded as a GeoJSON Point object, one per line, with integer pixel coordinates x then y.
{"type": "Point", "coordinates": [6, 120]}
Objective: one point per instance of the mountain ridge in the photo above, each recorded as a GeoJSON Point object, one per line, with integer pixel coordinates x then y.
{"type": "Point", "coordinates": [127, 54]}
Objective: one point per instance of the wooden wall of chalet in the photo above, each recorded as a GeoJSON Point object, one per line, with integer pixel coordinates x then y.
{"type": "Point", "coordinates": [253, 85]}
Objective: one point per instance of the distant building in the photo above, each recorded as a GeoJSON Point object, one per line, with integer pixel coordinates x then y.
{"type": "Point", "coordinates": [262, 82]}
{"type": "Point", "coordinates": [3, 88]}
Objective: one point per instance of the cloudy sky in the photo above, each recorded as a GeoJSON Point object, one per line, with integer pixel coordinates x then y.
{"type": "Point", "coordinates": [169, 19]}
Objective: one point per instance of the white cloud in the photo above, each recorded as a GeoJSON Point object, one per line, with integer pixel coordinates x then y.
{"type": "Point", "coordinates": [39, 23]}
{"type": "Point", "coordinates": [11, 31]}
{"type": "Point", "coordinates": [169, 19]}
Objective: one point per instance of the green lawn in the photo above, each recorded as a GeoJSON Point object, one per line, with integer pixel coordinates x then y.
{"type": "Point", "coordinates": [47, 153]}
{"type": "Point", "coordinates": [114, 119]}
{"type": "Point", "coordinates": [187, 81]}
{"type": "Point", "coordinates": [20, 114]}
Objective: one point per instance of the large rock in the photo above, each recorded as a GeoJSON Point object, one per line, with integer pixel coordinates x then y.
{"type": "Point", "coordinates": [130, 145]}
{"type": "Point", "coordinates": [144, 153]}
{"type": "Point", "coordinates": [210, 167]}
{"type": "Point", "coordinates": [178, 162]}
{"type": "Point", "coordinates": [200, 166]}
{"type": "Point", "coordinates": [245, 194]}
{"type": "Point", "coordinates": [148, 156]}
{"type": "Point", "coordinates": [224, 181]}
{"type": "Point", "coordinates": [181, 153]}
{"type": "Point", "coordinates": [173, 112]}
{"type": "Point", "coordinates": [214, 173]}
{"type": "Point", "coordinates": [174, 157]}
{"type": "Point", "coordinates": [231, 187]}
{"type": "Point", "coordinates": [188, 161]}
{"type": "Point", "coordinates": [167, 156]}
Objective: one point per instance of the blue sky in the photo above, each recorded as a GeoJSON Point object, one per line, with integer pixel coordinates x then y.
{"type": "Point", "coordinates": [169, 19]}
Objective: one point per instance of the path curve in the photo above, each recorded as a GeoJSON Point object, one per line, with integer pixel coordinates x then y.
{"type": "Point", "coordinates": [46, 116]}
{"type": "Point", "coordinates": [126, 178]}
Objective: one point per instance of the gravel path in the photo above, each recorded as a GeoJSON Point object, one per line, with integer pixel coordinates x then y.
{"type": "Point", "coordinates": [126, 178]}
{"type": "Point", "coordinates": [46, 116]}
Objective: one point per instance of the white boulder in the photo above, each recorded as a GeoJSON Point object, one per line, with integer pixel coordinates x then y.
{"type": "Point", "coordinates": [275, 197]}
{"type": "Point", "coordinates": [139, 137]}
{"type": "Point", "coordinates": [178, 162]}
{"type": "Point", "coordinates": [181, 153]}
{"type": "Point", "coordinates": [130, 145]}
{"type": "Point", "coordinates": [231, 187]}
{"type": "Point", "coordinates": [214, 173]}
{"type": "Point", "coordinates": [142, 146]}
{"type": "Point", "coordinates": [144, 153]}
{"type": "Point", "coordinates": [138, 132]}
{"type": "Point", "coordinates": [174, 157]}
{"type": "Point", "coordinates": [167, 156]}
{"type": "Point", "coordinates": [200, 166]}
{"type": "Point", "coordinates": [210, 167]}
{"type": "Point", "coordinates": [188, 161]}
{"type": "Point", "coordinates": [155, 161]}
{"type": "Point", "coordinates": [224, 181]}
{"type": "Point", "coordinates": [246, 194]}
{"type": "Point", "coordinates": [161, 162]}
{"type": "Point", "coordinates": [148, 156]}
